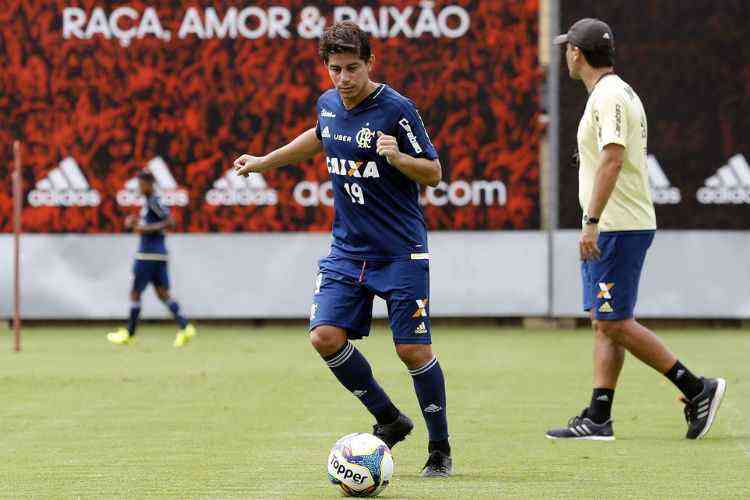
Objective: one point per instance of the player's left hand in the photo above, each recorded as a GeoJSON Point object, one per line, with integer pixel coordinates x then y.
{"type": "Point", "coordinates": [587, 245]}
{"type": "Point", "coordinates": [387, 146]}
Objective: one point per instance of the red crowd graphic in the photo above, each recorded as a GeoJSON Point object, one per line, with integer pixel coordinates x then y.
{"type": "Point", "coordinates": [95, 94]}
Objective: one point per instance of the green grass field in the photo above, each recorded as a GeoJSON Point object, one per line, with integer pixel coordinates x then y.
{"type": "Point", "coordinates": [252, 413]}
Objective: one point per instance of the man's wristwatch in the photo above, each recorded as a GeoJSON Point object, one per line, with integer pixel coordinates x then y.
{"type": "Point", "coordinates": [590, 220]}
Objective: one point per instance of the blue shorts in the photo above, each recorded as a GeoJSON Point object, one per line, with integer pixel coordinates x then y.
{"type": "Point", "coordinates": [610, 284]}
{"type": "Point", "coordinates": [150, 271]}
{"type": "Point", "coordinates": [345, 289]}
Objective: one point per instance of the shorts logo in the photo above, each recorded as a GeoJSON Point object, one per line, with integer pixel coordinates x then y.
{"type": "Point", "coordinates": [364, 137]}
{"type": "Point", "coordinates": [604, 291]}
{"type": "Point", "coordinates": [606, 308]}
{"type": "Point", "coordinates": [421, 329]}
{"type": "Point", "coordinates": [421, 309]}
{"type": "Point", "coordinates": [313, 311]}
{"type": "Point", "coordinates": [318, 283]}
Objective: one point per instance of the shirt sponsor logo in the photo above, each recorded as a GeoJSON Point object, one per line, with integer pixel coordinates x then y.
{"type": "Point", "coordinates": [618, 120]}
{"type": "Point", "coordinates": [64, 186]}
{"type": "Point", "coordinates": [410, 135]}
{"type": "Point", "coordinates": [351, 168]}
{"type": "Point", "coordinates": [729, 186]}
{"type": "Point", "coordinates": [662, 191]}
{"type": "Point", "coordinates": [233, 189]}
{"type": "Point", "coordinates": [342, 138]}
{"type": "Point", "coordinates": [169, 192]}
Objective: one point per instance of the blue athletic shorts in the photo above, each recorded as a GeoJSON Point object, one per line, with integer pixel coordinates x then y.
{"type": "Point", "coordinates": [150, 271]}
{"type": "Point", "coordinates": [345, 289]}
{"type": "Point", "coordinates": [610, 284]}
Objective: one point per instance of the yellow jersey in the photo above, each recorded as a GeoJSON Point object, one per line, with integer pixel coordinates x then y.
{"type": "Point", "coordinates": [614, 115]}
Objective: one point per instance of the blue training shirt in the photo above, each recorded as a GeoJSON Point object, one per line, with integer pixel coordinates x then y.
{"type": "Point", "coordinates": [153, 246]}
{"type": "Point", "coordinates": [377, 211]}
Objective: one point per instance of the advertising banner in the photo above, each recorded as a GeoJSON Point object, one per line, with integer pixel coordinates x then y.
{"type": "Point", "coordinates": [690, 64]}
{"type": "Point", "coordinates": [96, 91]}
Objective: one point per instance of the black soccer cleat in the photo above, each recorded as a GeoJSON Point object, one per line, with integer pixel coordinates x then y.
{"type": "Point", "coordinates": [395, 432]}
{"type": "Point", "coordinates": [700, 411]}
{"type": "Point", "coordinates": [438, 465]}
{"type": "Point", "coordinates": [582, 427]}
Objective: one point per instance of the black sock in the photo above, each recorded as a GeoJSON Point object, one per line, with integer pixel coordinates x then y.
{"type": "Point", "coordinates": [600, 409]}
{"type": "Point", "coordinates": [135, 313]}
{"type": "Point", "coordinates": [443, 446]}
{"type": "Point", "coordinates": [689, 384]}
{"type": "Point", "coordinates": [355, 373]}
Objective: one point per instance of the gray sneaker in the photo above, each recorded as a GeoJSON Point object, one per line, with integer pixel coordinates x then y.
{"type": "Point", "coordinates": [700, 411]}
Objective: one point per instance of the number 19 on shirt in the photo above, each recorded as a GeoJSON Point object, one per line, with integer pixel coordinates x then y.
{"type": "Point", "coordinates": [355, 193]}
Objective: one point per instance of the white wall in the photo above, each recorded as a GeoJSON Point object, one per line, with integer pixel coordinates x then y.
{"type": "Point", "coordinates": [263, 275]}
{"type": "Point", "coordinates": [691, 274]}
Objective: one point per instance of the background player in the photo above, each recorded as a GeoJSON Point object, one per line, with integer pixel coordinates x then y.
{"type": "Point", "coordinates": [377, 153]}
{"type": "Point", "coordinates": [615, 195]}
{"type": "Point", "coordinates": [151, 264]}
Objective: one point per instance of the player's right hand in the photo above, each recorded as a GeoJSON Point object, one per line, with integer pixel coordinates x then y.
{"type": "Point", "coordinates": [247, 164]}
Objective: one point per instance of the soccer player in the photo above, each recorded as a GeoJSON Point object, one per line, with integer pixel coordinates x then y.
{"type": "Point", "coordinates": [151, 264]}
{"type": "Point", "coordinates": [378, 153]}
{"type": "Point", "coordinates": [618, 227]}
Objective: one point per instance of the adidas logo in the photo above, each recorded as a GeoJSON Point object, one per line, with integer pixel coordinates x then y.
{"type": "Point", "coordinates": [433, 408]}
{"type": "Point", "coordinates": [606, 308]}
{"type": "Point", "coordinates": [233, 189]}
{"type": "Point", "coordinates": [359, 394]}
{"type": "Point", "coordinates": [730, 185]}
{"type": "Point", "coordinates": [421, 329]}
{"type": "Point", "coordinates": [169, 192]}
{"type": "Point", "coordinates": [64, 186]}
{"type": "Point", "coordinates": [680, 373]}
{"type": "Point", "coordinates": [662, 192]}
{"type": "Point", "coordinates": [326, 133]}
{"type": "Point", "coordinates": [603, 397]}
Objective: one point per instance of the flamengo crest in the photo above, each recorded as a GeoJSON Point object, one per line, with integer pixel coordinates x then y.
{"type": "Point", "coordinates": [364, 137]}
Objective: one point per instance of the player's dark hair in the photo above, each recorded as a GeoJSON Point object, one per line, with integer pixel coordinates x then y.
{"type": "Point", "coordinates": [344, 38]}
{"type": "Point", "coordinates": [147, 176]}
{"type": "Point", "coordinates": [599, 59]}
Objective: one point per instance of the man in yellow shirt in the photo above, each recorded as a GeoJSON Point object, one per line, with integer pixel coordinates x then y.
{"type": "Point", "coordinates": [618, 227]}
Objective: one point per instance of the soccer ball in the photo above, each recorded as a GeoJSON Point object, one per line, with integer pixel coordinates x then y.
{"type": "Point", "coordinates": [360, 464]}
